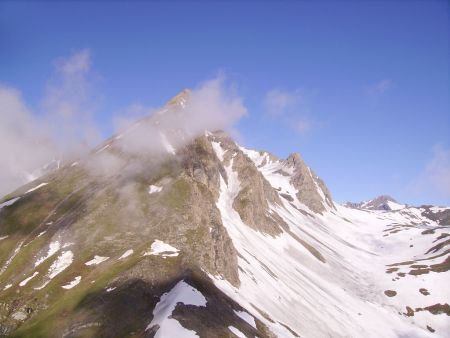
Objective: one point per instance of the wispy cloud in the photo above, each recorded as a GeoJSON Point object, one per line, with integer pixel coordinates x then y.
{"type": "Point", "coordinates": [434, 182]}
{"type": "Point", "coordinates": [379, 88]}
{"type": "Point", "coordinates": [71, 99]}
{"type": "Point", "coordinates": [290, 107]}
{"type": "Point", "coordinates": [279, 102]}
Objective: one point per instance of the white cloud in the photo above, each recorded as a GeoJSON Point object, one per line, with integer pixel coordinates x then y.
{"type": "Point", "coordinates": [28, 140]}
{"type": "Point", "coordinates": [24, 142]}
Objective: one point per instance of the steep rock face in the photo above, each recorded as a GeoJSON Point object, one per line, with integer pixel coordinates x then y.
{"type": "Point", "coordinates": [255, 194]}
{"type": "Point", "coordinates": [311, 189]}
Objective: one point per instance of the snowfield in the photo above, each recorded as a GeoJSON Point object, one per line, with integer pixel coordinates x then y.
{"type": "Point", "coordinates": [335, 266]}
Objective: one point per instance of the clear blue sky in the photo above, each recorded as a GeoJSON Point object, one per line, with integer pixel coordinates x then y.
{"type": "Point", "coordinates": [369, 79]}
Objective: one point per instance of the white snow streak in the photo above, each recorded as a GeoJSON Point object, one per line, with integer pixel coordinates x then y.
{"type": "Point", "coordinates": [25, 281]}
{"type": "Point", "coordinates": [35, 188]}
{"type": "Point", "coordinates": [96, 260]}
{"type": "Point", "coordinates": [73, 283]}
{"type": "Point", "coordinates": [126, 254]}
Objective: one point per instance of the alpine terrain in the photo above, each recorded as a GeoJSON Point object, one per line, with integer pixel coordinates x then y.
{"type": "Point", "coordinates": [163, 231]}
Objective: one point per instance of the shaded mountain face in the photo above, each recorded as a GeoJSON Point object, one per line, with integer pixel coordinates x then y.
{"type": "Point", "coordinates": [163, 231]}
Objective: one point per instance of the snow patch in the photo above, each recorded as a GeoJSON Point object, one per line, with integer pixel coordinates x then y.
{"type": "Point", "coordinates": [60, 264]}
{"type": "Point", "coordinates": [395, 206]}
{"type": "Point", "coordinates": [247, 317]}
{"type": "Point", "coordinates": [9, 202]}
{"type": "Point", "coordinates": [7, 287]}
{"type": "Point", "coordinates": [163, 249]}
{"type": "Point", "coordinates": [111, 289]}
{"type": "Point", "coordinates": [52, 249]}
{"type": "Point", "coordinates": [169, 327]}
{"type": "Point", "coordinates": [154, 188]}
{"type": "Point", "coordinates": [126, 254]}
{"type": "Point", "coordinates": [3, 237]}
{"type": "Point", "coordinates": [25, 281]}
{"type": "Point", "coordinates": [236, 332]}
{"type": "Point", "coordinates": [96, 260]}
{"type": "Point", "coordinates": [218, 150]}
{"type": "Point", "coordinates": [73, 283]}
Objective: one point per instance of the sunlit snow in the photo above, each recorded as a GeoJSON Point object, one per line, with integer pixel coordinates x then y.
{"type": "Point", "coordinates": [169, 327]}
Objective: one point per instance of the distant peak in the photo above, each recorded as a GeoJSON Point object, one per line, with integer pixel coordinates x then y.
{"type": "Point", "coordinates": [383, 198]}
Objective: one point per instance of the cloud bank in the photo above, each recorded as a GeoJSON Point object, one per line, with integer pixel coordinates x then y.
{"type": "Point", "coordinates": [31, 139]}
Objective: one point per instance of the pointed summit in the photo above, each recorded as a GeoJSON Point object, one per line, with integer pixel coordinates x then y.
{"type": "Point", "coordinates": [180, 99]}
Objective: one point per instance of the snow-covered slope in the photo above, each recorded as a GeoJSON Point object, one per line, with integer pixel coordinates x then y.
{"type": "Point", "coordinates": [362, 271]}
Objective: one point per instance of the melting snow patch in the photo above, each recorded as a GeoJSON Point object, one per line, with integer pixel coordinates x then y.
{"type": "Point", "coordinates": [3, 237]}
{"type": "Point", "coordinates": [163, 249]}
{"type": "Point", "coordinates": [153, 188]}
{"type": "Point", "coordinates": [169, 327]}
{"type": "Point", "coordinates": [74, 164]}
{"type": "Point", "coordinates": [96, 260]}
{"type": "Point", "coordinates": [10, 202]}
{"type": "Point", "coordinates": [110, 289]}
{"type": "Point", "coordinates": [126, 254]}
{"type": "Point", "coordinates": [25, 281]}
{"type": "Point", "coordinates": [41, 233]}
{"type": "Point", "coordinates": [52, 249]}
{"type": "Point", "coordinates": [236, 332]}
{"type": "Point", "coordinates": [36, 188]}
{"type": "Point", "coordinates": [7, 287]}
{"type": "Point", "coordinates": [247, 317]}
{"type": "Point", "coordinates": [73, 283]}
{"type": "Point", "coordinates": [60, 264]}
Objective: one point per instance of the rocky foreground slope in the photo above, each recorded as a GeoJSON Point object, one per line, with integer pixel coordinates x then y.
{"type": "Point", "coordinates": [184, 235]}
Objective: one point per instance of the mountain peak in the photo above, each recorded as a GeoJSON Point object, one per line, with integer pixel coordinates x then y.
{"type": "Point", "coordinates": [180, 99]}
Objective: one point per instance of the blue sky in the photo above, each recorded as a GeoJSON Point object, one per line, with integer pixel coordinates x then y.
{"type": "Point", "coordinates": [360, 89]}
